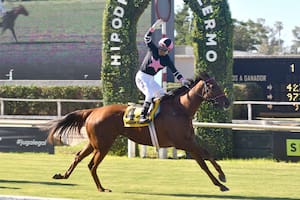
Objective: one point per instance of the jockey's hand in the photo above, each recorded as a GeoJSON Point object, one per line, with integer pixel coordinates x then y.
{"type": "Point", "coordinates": [157, 24]}
{"type": "Point", "coordinates": [185, 82]}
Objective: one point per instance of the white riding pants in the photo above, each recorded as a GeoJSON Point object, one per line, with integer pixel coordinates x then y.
{"type": "Point", "coordinates": [148, 86]}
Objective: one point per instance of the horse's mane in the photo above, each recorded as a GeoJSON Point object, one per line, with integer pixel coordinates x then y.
{"type": "Point", "coordinates": [14, 9]}
{"type": "Point", "coordinates": [181, 90]}
{"type": "Point", "coordinates": [10, 12]}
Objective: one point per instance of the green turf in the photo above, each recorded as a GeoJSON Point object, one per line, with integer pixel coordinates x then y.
{"type": "Point", "coordinates": [30, 174]}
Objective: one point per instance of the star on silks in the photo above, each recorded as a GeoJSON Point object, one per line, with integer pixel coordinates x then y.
{"type": "Point", "coordinates": [155, 64]}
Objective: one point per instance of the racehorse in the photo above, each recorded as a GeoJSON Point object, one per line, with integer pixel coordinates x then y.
{"type": "Point", "coordinates": [173, 126]}
{"type": "Point", "coordinates": [8, 21]}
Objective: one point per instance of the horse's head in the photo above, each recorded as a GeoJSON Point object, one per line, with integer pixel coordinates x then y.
{"type": "Point", "coordinates": [21, 10]}
{"type": "Point", "coordinates": [212, 92]}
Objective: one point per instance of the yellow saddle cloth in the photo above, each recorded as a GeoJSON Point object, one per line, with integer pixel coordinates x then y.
{"type": "Point", "coordinates": [132, 114]}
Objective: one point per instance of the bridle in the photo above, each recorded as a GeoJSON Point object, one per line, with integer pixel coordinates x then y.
{"type": "Point", "coordinates": [212, 100]}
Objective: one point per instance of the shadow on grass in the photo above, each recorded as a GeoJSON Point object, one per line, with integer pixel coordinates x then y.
{"type": "Point", "coordinates": [10, 188]}
{"type": "Point", "coordinates": [36, 182]}
{"type": "Point", "coordinates": [206, 196]}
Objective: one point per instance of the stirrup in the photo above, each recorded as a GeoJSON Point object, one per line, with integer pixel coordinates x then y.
{"type": "Point", "coordinates": [144, 120]}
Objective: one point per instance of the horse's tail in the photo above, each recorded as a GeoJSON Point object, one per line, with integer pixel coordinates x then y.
{"type": "Point", "coordinates": [67, 129]}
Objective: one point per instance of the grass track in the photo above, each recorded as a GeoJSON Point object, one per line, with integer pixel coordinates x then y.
{"type": "Point", "coordinates": [30, 174]}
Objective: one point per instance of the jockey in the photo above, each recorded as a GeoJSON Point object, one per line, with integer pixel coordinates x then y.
{"type": "Point", "coordinates": [2, 10]}
{"type": "Point", "coordinates": [156, 59]}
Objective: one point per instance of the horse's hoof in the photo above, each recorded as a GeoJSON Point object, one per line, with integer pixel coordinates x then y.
{"type": "Point", "coordinates": [57, 176]}
{"type": "Point", "coordinates": [223, 188]}
{"type": "Point", "coordinates": [105, 190]}
{"type": "Point", "coordinates": [222, 178]}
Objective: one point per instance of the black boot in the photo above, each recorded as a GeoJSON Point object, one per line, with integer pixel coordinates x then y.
{"type": "Point", "coordinates": [144, 117]}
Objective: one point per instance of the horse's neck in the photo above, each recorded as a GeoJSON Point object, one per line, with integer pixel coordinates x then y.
{"type": "Point", "coordinates": [192, 100]}
{"type": "Point", "coordinates": [11, 14]}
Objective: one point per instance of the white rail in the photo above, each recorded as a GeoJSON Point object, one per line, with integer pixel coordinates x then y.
{"type": "Point", "coordinates": [248, 126]}
{"type": "Point", "coordinates": [57, 101]}
{"type": "Point", "coordinates": [251, 103]}
{"type": "Point", "coordinates": [60, 101]}
{"type": "Point", "coordinates": [22, 120]}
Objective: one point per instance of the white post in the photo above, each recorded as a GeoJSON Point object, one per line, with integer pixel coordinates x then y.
{"type": "Point", "coordinates": [143, 151]}
{"type": "Point", "coordinates": [58, 108]}
{"type": "Point", "coordinates": [174, 153]}
{"type": "Point", "coordinates": [249, 111]}
{"type": "Point", "coordinates": [131, 149]}
{"type": "Point", "coordinates": [10, 74]}
{"type": "Point", "coordinates": [163, 153]}
{"type": "Point", "coordinates": [2, 107]}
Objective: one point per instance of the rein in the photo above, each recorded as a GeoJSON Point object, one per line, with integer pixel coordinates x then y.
{"type": "Point", "coordinates": [213, 99]}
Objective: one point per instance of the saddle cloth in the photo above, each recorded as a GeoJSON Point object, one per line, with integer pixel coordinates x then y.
{"type": "Point", "coordinates": [132, 114]}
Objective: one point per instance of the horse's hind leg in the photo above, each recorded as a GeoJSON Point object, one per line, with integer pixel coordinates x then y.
{"type": "Point", "coordinates": [101, 146]}
{"type": "Point", "coordinates": [96, 160]}
{"type": "Point", "coordinates": [199, 154]}
{"type": "Point", "coordinates": [80, 155]}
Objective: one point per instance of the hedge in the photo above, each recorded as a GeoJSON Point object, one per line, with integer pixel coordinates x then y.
{"type": "Point", "coordinates": [50, 92]}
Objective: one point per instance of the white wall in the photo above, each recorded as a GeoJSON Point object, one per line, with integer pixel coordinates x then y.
{"type": "Point", "coordinates": [184, 60]}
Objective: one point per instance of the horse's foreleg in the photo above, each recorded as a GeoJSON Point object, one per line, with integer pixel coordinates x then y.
{"type": "Point", "coordinates": [87, 150]}
{"type": "Point", "coordinates": [14, 34]}
{"type": "Point", "coordinates": [222, 176]}
{"type": "Point", "coordinates": [207, 156]}
{"type": "Point", "coordinates": [199, 154]}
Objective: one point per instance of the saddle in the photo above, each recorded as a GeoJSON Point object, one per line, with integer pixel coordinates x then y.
{"type": "Point", "coordinates": [132, 114]}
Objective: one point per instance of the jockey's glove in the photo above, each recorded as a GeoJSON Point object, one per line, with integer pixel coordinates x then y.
{"type": "Point", "coordinates": [185, 82]}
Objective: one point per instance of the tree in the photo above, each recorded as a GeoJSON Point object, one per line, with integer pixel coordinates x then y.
{"type": "Point", "coordinates": [183, 26]}
{"type": "Point", "coordinates": [242, 39]}
{"type": "Point", "coordinates": [248, 36]}
{"type": "Point", "coordinates": [256, 36]}
{"type": "Point", "coordinates": [278, 28]}
{"type": "Point", "coordinates": [296, 42]}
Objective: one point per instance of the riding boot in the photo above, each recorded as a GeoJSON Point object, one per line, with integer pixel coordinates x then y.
{"type": "Point", "coordinates": [144, 118]}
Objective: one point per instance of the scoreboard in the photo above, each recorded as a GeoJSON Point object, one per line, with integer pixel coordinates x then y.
{"type": "Point", "coordinates": [278, 76]}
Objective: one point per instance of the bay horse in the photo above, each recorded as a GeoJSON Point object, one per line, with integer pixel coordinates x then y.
{"type": "Point", "coordinates": [173, 126]}
{"type": "Point", "coordinates": [8, 20]}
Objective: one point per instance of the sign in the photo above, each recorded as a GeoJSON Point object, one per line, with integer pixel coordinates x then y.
{"type": "Point", "coordinates": [24, 139]}
{"type": "Point", "coordinates": [293, 147]}
{"type": "Point", "coordinates": [279, 78]}
{"type": "Point", "coordinates": [286, 146]}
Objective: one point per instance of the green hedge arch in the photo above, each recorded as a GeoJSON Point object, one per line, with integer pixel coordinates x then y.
{"type": "Point", "coordinates": [120, 54]}
{"type": "Point", "coordinates": [212, 41]}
